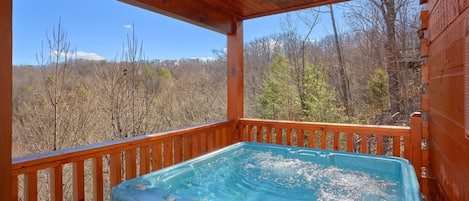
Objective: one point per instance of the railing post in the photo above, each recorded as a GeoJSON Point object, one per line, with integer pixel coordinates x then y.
{"type": "Point", "coordinates": [416, 146]}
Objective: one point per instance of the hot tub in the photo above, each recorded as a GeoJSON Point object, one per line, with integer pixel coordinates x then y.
{"type": "Point", "coordinates": [253, 171]}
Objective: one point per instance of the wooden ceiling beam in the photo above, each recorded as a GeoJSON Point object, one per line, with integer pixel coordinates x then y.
{"type": "Point", "coordinates": [194, 12]}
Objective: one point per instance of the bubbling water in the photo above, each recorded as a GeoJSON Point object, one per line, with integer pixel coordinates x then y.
{"type": "Point", "coordinates": [254, 175]}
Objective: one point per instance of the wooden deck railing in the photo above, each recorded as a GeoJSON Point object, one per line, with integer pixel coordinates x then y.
{"type": "Point", "coordinates": [95, 169]}
{"type": "Point", "coordinates": [370, 139]}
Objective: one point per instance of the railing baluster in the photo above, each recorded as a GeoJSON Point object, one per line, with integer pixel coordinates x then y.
{"type": "Point", "coordinates": [364, 143]}
{"type": "Point", "coordinates": [178, 149]}
{"type": "Point", "coordinates": [301, 138]}
{"type": "Point", "coordinates": [156, 156]}
{"type": "Point", "coordinates": [259, 137]}
{"type": "Point", "coordinates": [130, 164]}
{"type": "Point", "coordinates": [379, 145]}
{"type": "Point", "coordinates": [78, 180]}
{"type": "Point", "coordinates": [97, 167]}
{"type": "Point", "coordinates": [203, 143]}
{"type": "Point", "coordinates": [396, 146]}
{"type": "Point", "coordinates": [323, 139]}
{"type": "Point", "coordinates": [144, 160]}
{"type": "Point", "coordinates": [250, 135]}
{"type": "Point", "coordinates": [115, 169]}
{"type": "Point", "coordinates": [350, 142]}
{"type": "Point", "coordinates": [195, 145]}
{"type": "Point", "coordinates": [269, 135]}
{"type": "Point", "coordinates": [30, 186]}
{"type": "Point", "coordinates": [336, 140]}
{"type": "Point", "coordinates": [168, 153]}
{"type": "Point", "coordinates": [311, 138]}
{"type": "Point", "coordinates": [289, 137]}
{"type": "Point", "coordinates": [278, 135]}
{"type": "Point", "coordinates": [56, 191]}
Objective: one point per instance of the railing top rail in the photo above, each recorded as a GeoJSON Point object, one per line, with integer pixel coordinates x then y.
{"type": "Point", "coordinates": [390, 130]}
{"type": "Point", "coordinates": [99, 149]}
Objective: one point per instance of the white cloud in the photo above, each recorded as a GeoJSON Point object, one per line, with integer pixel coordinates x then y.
{"type": "Point", "coordinates": [127, 26]}
{"type": "Point", "coordinates": [79, 55]}
{"type": "Point", "coordinates": [89, 56]}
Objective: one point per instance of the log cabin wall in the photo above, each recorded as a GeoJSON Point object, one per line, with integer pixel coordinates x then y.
{"type": "Point", "coordinates": [447, 42]}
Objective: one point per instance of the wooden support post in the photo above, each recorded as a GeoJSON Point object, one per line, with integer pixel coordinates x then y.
{"type": "Point", "coordinates": [5, 98]}
{"type": "Point", "coordinates": [235, 62]}
{"type": "Point", "coordinates": [416, 146]}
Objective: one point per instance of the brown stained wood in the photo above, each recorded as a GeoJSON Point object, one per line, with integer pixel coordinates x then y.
{"type": "Point", "coordinates": [115, 168]}
{"type": "Point", "coordinates": [336, 141]}
{"type": "Point", "coordinates": [425, 75]}
{"type": "Point", "coordinates": [178, 157]}
{"type": "Point", "coordinates": [156, 156]}
{"type": "Point", "coordinates": [195, 146]}
{"type": "Point", "coordinates": [350, 142]}
{"type": "Point", "coordinates": [203, 143]}
{"type": "Point", "coordinates": [323, 135]}
{"type": "Point", "coordinates": [78, 181]}
{"type": "Point", "coordinates": [364, 144]}
{"type": "Point", "coordinates": [396, 146]}
{"type": "Point", "coordinates": [424, 19]}
{"type": "Point", "coordinates": [259, 135]}
{"type": "Point", "coordinates": [56, 181]}
{"type": "Point", "coordinates": [6, 99]}
{"type": "Point", "coordinates": [415, 143]}
{"type": "Point", "coordinates": [97, 176]}
{"type": "Point", "coordinates": [235, 71]}
{"type": "Point", "coordinates": [210, 142]}
{"type": "Point", "coordinates": [379, 145]}
{"type": "Point", "coordinates": [250, 134]}
{"type": "Point", "coordinates": [130, 164]}
{"type": "Point", "coordinates": [269, 135]}
{"type": "Point", "coordinates": [14, 187]}
{"type": "Point", "coordinates": [301, 138]}
{"type": "Point", "coordinates": [278, 135]}
{"type": "Point", "coordinates": [311, 139]}
{"type": "Point", "coordinates": [425, 103]}
{"type": "Point", "coordinates": [289, 137]}
{"type": "Point", "coordinates": [407, 149]}
{"type": "Point", "coordinates": [30, 186]}
{"type": "Point", "coordinates": [144, 160]}
{"type": "Point", "coordinates": [424, 47]}
{"type": "Point", "coordinates": [168, 153]}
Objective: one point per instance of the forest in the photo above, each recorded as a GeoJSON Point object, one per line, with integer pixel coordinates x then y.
{"type": "Point", "coordinates": [369, 74]}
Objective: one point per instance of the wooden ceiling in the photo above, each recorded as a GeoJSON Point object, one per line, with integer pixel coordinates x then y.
{"type": "Point", "coordinates": [220, 15]}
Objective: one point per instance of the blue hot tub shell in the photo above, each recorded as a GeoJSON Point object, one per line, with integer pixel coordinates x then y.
{"type": "Point", "coordinates": [396, 169]}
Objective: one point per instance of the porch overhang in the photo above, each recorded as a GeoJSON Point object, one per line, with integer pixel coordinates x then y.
{"type": "Point", "coordinates": [222, 15]}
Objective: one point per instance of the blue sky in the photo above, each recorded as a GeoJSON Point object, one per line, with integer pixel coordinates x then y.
{"type": "Point", "coordinates": [98, 29]}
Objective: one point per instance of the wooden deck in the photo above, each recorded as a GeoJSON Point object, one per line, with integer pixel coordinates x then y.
{"type": "Point", "coordinates": [95, 169]}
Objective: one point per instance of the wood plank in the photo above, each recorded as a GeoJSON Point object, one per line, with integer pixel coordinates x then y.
{"type": "Point", "coordinates": [115, 168]}
{"type": "Point", "coordinates": [156, 156]}
{"type": "Point", "coordinates": [168, 153]}
{"type": "Point", "coordinates": [364, 143]}
{"type": "Point", "coordinates": [14, 187]}
{"type": "Point", "coordinates": [30, 186]}
{"type": "Point", "coordinates": [178, 157]}
{"type": "Point", "coordinates": [98, 181]}
{"type": "Point", "coordinates": [350, 142]}
{"type": "Point", "coordinates": [278, 135]}
{"type": "Point", "coordinates": [130, 164]}
{"type": "Point", "coordinates": [415, 143]}
{"type": "Point", "coordinates": [311, 138]}
{"type": "Point", "coordinates": [235, 71]}
{"type": "Point", "coordinates": [144, 160]}
{"type": "Point", "coordinates": [289, 137]}
{"type": "Point", "coordinates": [259, 135]}
{"type": "Point", "coordinates": [195, 145]}
{"type": "Point", "coordinates": [56, 182]}
{"type": "Point", "coordinates": [203, 143]}
{"type": "Point", "coordinates": [301, 138]}
{"type": "Point", "coordinates": [269, 135]}
{"type": "Point", "coordinates": [336, 141]}
{"type": "Point", "coordinates": [6, 20]}
{"type": "Point", "coordinates": [187, 140]}
{"type": "Point", "coordinates": [396, 146]}
{"type": "Point", "coordinates": [78, 180]}
{"type": "Point", "coordinates": [323, 135]}
{"type": "Point", "coordinates": [210, 142]}
{"type": "Point", "coordinates": [379, 144]}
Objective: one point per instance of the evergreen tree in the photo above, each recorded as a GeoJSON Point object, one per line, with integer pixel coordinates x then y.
{"type": "Point", "coordinates": [377, 90]}
{"type": "Point", "coordinates": [320, 99]}
{"type": "Point", "coordinates": [279, 99]}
